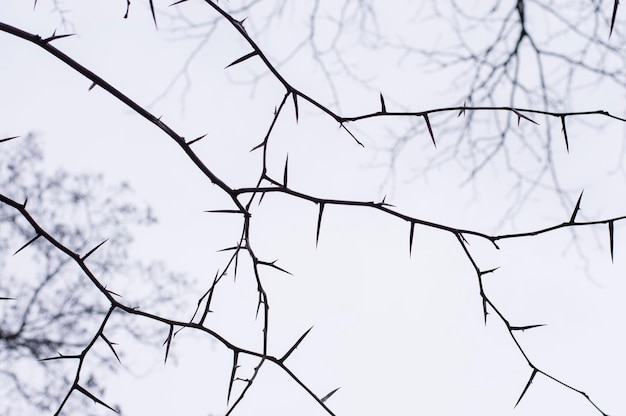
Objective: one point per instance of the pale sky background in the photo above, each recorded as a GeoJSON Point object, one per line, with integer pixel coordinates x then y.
{"type": "Point", "coordinates": [400, 335]}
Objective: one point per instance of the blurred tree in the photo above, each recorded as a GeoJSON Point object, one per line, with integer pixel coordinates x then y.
{"type": "Point", "coordinates": [48, 306]}
{"type": "Point", "coordinates": [549, 56]}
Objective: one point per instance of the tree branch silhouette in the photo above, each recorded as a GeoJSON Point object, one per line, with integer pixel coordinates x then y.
{"type": "Point", "coordinates": [242, 198]}
{"type": "Point", "coordinates": [51, 309]}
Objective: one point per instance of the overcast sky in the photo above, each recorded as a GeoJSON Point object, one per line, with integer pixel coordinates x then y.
{"type": "Point", "coordinates": [400, 334]}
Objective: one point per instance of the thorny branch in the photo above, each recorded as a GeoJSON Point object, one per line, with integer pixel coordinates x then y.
{"type": "Point", "coordinates": [522, 53]}
{"type": "Point", "coordinates": [243, 246]}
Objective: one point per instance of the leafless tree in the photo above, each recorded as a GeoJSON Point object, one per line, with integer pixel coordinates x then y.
{"type": "Point", "coordinates": [48, 308]}
{"type": "Point", "coordinates": [542, 55]}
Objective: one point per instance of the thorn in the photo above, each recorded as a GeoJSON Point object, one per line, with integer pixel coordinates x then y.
{"type": "Point", "coordinates": [319, 224]}
{"type": "Point", "coordinates": [225, 211]}
{"type": "Point", "coordinates": [285, 173]}
{"type": "Point", "coordinates": [564, 133]}
{"type": "Point", "coordinates": [94, 249]}
{"type": "Point", "coordinates": [611, 241]}
{"type": "Point", "coordinates": [239, 24]}
{"type": "Point", "coordinates": [527, 386]}
{"type": "Point", "coordinates": [524, 328]}
{"type": "Point", "coordinates": [294, 346]}
{"type": "Point", "coordinates": [350, 133]}
{"type": "Point", "coordinates": [488, 271]}
{"type": "Point", "coordinates": [323, 399]}
{"type": "Point", "coordinates": [153, 14]}
{"type": "Point", "coordinates": [485, 313]}
{"type": "Point", "coordinates": [55, 37]}
{"type": "Point", "coordinates": [243, 58]}
{"type": "Point", "coordinates": [8, 138]}
{"type": "Point", "coordinates": [60, 357]}
{"type": "Point", "coordinates": [295, 104]}
{"type": "Point", "coordinates": [613, 16]}
{"type": "Point", "coordinates": [196, 139]}
{"type": "Point", "coordinates": [112, 292]}
{"type": "Point", "coordinates": [168, 341]}
{"type": "Point", "coordinates": [576, 208]}
{"type": "Point", "coordinates": [258, 146]}
{"type": "Point", "coordinates": [27, 244]}
{"type": "Point", "coordinates": [383, 108]}
{"type": "Point", "coordinates": [272, 264]}
{"type": "Point", "coordinates": [261, 198]}
{"type": "Point", "coordinates": [462, 112]}
{"type": "Point", "coordinates": [430, 129]}
{"type": "Point", "coordinates": [522, 116]}
{"type": "Point", "coordinates": [92, 397]}
{"type": "Point", "coordinates": [383, 203]}
{"type": "Point", "coordinates": [110, 344]}
{"type": "Point", "coordinates": [232, 375]}
{"type": "Point", "coordinates": [229, 249]}
{"type": "Point", "coordinates": [411, 231]}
